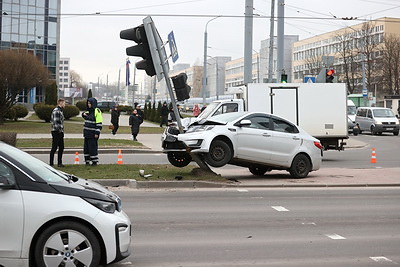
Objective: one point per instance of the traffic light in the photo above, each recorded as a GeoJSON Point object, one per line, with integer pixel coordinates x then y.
{"type": "Point", "coordinates": [329, 75]}
{"type": "Point", "coordinates": [283, 78]}
{"type": "Point", "coordinates": [142, 49]}
{"type": "Point", "coordinates": [182, 90]}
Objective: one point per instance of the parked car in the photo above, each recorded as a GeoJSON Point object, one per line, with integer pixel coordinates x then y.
{"type": "Point", "coordinates": [256, 140]}
{"type": "Point", "coordinates": [105, 105]}
{"type": "Point", "coordinates": [377, 120]}
{"type": "Point", "coordinates": [51, 218]}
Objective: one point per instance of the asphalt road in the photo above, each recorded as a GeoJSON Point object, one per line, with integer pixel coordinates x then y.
{"type": "Point", "coordinates": [270, 227]}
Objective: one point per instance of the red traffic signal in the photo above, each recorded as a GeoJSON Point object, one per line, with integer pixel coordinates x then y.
{"type": "Point", "coordinates": [329, 75]}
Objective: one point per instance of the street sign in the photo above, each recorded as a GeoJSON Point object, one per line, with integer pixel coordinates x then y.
{"type": "Point", "coordinates": [172, 47]}
{"type": "Point", "coordinates": [364, 92]}
{"type": "Point", "coordinates": [309, 79]}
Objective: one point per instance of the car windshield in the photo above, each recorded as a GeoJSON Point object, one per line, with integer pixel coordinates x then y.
{"type": "Point", "coordinates": [351, 110]}
{"type": "Point", "coordinates": [35, 165]}
{"type": "Point", "coordinates": [210, 108]}
{"type": "Point", "coordinates": [383, 113]}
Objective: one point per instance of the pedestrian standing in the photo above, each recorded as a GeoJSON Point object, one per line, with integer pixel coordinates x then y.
{"type": "Point", "coordinates": [140, 113]}
{"type": "Point", "coordinates": [203, 108]}
{"type": "Point", "coordinates": [134, 123]}
{"type": "Point", "coordinates": [115, 112]}
{"type": "Point", "coordinates": [57, 132]}
{"type": "Point", "coordinates": [171, 115]}
{"type": "Point", "coordinates": [164, 114]}
{"type": "Point", "coordinates": [91, 131]}
{"type": "Point", "coordinates": [196, 110]}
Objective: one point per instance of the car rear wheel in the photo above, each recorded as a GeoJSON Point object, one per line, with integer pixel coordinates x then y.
{"type": "Point", "coordinates": [219, 154]}
{"type": "Point", "coordinates": [179, 159]}
{"type": "Point", "coordinates": [67, 243]}
{"type": "Point", "coordinates": [259, 170]}
{"type": "Point", "coordinates": [301, 166]}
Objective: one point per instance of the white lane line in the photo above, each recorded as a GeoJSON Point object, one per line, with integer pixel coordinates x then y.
{"type": "Point", "coordinates": [309, 223]}
{"type": "Point", "coordinates": [279, 208]}
{"type": "Point", "coordinates": [335, 236]}
{"type": "Point", "coordinates": [381, 259]}
{"type": "Point", "coordinates": [242, 190]}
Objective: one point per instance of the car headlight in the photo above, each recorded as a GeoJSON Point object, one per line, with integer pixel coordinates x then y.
{"type": "Point", "coordinates": [109, 207]}
{"type": "Point", "coordinates": [200, 128]}
{"type": "Point", "coordinates": [378, 122]}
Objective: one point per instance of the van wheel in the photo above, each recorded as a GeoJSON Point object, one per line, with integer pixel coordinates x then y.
{"type": "Point", "coordinates": [179, 159]}
{"type": "Point", "coordinates": [67, 243]}
{"type": "Point", "coordinates": [373, 131]}
{"type": "Point", "coordinates": [219, 154]}
{"type": "Point", "coordinates": [396, 133]}
{"type": "Point", "coordinates": [301, 166]}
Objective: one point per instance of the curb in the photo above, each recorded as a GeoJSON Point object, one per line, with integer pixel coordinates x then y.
{"type": "Point", "coordinates": [133, 184]}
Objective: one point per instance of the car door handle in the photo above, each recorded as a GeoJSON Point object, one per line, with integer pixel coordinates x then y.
{"type": "Point", "coordinates": [295, 138]}
{"type": "Point", "coordinates": [266, 135]}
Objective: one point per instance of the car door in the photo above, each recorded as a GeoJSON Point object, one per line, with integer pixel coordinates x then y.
{"type": "Point", "coordinates": [12, 214]}
{"type": "Point", "coordinates": [254, 141]}
{"type": "Point", "coordinates": [285, 141]}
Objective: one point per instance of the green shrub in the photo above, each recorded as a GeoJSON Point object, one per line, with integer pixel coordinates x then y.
{"type": "Point", "coordinates": [81, 105]}
{"type": "Point", "coordinates": [70, 111]}
{"type": "Point", "coordinates": [21, 111]}
{"type": "Point", "coordinates": [11, 114]}
{"type": "Point", "coordinates": [127, 109]}
{"type": "Point", "coordinates": [44, 111]}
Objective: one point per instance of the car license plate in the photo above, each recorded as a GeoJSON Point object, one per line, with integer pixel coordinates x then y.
{"type": "Point", "coordinates": [389, 128]}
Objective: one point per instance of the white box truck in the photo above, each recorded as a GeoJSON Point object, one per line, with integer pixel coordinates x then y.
{"type": "Point", "coordinates": [318, 108]}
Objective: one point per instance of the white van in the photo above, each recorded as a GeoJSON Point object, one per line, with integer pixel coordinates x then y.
{"type": "Point", "coordinates": [377, 120]}
{"type": "Point", "coordinates": [351, 110]}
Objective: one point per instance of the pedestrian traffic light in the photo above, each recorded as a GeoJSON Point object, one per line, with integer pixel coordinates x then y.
{"type": "Point", "coordinates": [329, 75]}
{"type": "Point", "coordinates": [142, 49]}
{"type": "Point", "coordinates": [283, 78]}
{"type": "Point", "coordinates": [182, 90]}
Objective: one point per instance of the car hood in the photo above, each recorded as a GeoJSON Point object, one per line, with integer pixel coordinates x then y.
{"type": "Point", "coordinates": [85, 188]}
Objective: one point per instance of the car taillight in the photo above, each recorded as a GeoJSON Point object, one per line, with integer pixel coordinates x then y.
{"type": "Point", "coordinates": [318, 144]}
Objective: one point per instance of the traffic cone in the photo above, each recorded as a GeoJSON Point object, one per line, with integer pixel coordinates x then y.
{"type": "Point", "coordinates": [76, 160]}
{"type": "Point", "coordinates": [373, 156]}
{"type": "Point", "coordinates": [119, 157]}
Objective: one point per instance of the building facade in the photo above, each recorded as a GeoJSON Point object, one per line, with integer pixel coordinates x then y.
{"type": "Point", "coordinates": [32, 25]}
{"type": "Point", "coordinates": [64, 80]}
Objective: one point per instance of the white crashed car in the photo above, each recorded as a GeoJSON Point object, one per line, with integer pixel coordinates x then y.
{"type": "Point", "coordinates": [256, 140]}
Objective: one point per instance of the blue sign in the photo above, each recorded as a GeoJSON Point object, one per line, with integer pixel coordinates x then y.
{"type": "Point", "coordinates": [309, 79]}
{"type": "Point", "coordinates": [364, 92]}
{"type": "Point", "coordinates": [172, 47]}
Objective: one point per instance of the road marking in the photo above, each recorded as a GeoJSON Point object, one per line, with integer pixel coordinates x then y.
{"type": "Point", "coordinates": [242, 190]}
{"type": "Point", "coordinates": [335, 236]}
{"type": "Point", "coordinates": [381, 259]}
{"type": "Point", "coordinates": [279, 208]}
{"type": "Point", "coordinates": [310, 223]}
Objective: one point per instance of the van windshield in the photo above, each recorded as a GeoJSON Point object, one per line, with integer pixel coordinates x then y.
{"type": "Point", "coordinates": [351, 110]}
{"type": "Point", "coordinates": [383, 113]}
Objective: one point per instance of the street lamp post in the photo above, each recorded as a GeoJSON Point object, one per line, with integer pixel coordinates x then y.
{"type": "Point", "coordinates": [204, 87]}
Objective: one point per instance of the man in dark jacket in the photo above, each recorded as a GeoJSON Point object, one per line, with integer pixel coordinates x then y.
{"type": "Point", "coordinates": [164, 114]}
{"type": "Point", "coordinates": [91, 131]}
{"type": "Point", "coordinates": [57, 132]}
{"type": "Point", "coordinates": [134, 123]}
{"type": "Point", "coordinates": [115, 112]}
{"type": "Point", "coordinates": [140, 113]}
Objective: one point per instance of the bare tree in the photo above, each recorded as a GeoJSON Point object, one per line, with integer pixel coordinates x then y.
{"type": "Point", "coordinates": [345, 48]}
{"type": "Point", "coordinates": [313, 64]}
{"type": "Point", "coordinates": [391, 64]}
{"type": "Point", "coordinates": [19, 70]}
{"type": "Point", "coordinates": [76, 80]}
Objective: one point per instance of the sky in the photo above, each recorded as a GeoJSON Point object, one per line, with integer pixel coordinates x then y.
{"type": "Point", "coordinates": [90, 28]}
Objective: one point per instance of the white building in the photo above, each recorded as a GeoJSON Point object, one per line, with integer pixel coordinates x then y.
{"type": "Point", "coordinates": [64, 80]}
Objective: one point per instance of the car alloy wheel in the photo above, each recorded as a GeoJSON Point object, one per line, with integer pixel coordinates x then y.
{"type": "Point", "coordinates": [179, 159]}
{"type": "Point", "coordinates": [301, 166]}
{"type": "Point", "coordinates": [219, 154]}
{"type": "Point", "coordinates": [67, 243]}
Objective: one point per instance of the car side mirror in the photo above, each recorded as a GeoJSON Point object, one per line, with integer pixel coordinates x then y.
{"type": "Point", "coordinates": [5, 183]}
{"type": "Point", "coordinates": [245, 123]}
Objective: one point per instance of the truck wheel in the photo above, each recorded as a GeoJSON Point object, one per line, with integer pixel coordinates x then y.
{"type": "Point", "coordinates": [301, 166]}
{"type": "Point", "coordinates": [179, 159]}
{"type": "Point", "coordinates": [67, 243]}
{"type": "Point", "coordinates": [219, 154]}
{"type": "Point", "coordinates": [258, 170]}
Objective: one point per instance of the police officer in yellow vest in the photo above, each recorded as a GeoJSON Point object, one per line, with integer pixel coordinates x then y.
{"type": "Point", "coordinates": [91, 131]}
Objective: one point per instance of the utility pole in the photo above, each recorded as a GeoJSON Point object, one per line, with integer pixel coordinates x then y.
{"type": "Point", "coordinates": [248, 43]}
{"type": "Point", "coordinates": [280, 38]}
{"type": "Point", "coordinates": [271, 42]}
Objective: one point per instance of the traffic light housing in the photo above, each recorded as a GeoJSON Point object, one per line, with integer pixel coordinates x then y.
{"type": "Point", "coordinates": [329, 75]}
{"type": "Point", "coordinates": [182, 90]}
{"type": "Point", "coordinates": [142, 49]}
{"type": "Point", "coordinates": [283, 78]}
